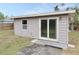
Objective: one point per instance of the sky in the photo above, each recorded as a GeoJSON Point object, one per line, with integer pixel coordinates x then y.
{"type": "Point", "coordinates": [18, 9]}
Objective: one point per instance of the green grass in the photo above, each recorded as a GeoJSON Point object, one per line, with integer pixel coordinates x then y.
{"type": "Point", "coordinates": [73, 39]}
{"type": "Point", "coordinates": [10, 44]}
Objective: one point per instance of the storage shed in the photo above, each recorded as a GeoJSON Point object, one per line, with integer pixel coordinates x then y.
{"type": "Point", "coordinates": [49, 28]}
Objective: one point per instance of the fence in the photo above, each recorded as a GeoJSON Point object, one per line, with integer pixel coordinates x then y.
{"type": "Point", "coordinates": [6, 25]}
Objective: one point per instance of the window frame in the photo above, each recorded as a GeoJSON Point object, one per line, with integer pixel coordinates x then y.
{"type": "Point", "coordinates": [23, 24]}
{"type": "Point", "coordinates": [57, 29]}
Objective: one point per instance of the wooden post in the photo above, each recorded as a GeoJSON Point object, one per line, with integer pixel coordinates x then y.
{"type": "Point", "coordinates": [72, 26]}
{"type": "Point", "coordinates": [72, 21]}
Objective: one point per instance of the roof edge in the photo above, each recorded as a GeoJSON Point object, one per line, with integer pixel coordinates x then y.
{"type": "Point", "coordinates": [45, 14]}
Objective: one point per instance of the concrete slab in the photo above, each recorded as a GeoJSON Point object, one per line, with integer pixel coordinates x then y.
{"type": "Point", "coordinates": [37, 49]}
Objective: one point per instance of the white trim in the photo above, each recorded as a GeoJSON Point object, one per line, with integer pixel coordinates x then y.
{"type": "Point", "coordinates": [57, 25]}
{"type": "Point", "coordinates": [22, 25]}
{"type": "Point", "coordinates": [39, 28]}
{"type": "Point", "coordinates": [67, 30]}
{"type": "Point", "coordinates": [48, 28]}
{"type": "Point", "coordinates": [57, 29]}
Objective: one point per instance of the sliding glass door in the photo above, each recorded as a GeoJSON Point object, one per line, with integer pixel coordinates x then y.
{"type": "Point", "coordinates": [48, 28]}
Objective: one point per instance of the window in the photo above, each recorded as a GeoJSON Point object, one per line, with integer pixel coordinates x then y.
{"type": "Point", "coordinates": [24, 24]}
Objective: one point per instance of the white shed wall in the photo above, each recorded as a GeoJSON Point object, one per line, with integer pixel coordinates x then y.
{"type": "Point", "coordinates": [33, 31]}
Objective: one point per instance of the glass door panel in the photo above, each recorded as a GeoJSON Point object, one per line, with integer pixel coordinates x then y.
{"type": "Point", "coordinates": [43, 28]}
{"type": "Point", "coordinates": [52, 28]}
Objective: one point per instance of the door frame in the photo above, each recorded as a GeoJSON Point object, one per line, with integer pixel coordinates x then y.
{"type": "Point", "coordinates": [57, 29]}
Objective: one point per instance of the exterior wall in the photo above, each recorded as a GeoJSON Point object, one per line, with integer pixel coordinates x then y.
{"type": "Point", "coordinates": [33, 31]}
{"type": "Point", "coordinates": [32, 28]}
{"type": "Point", "coordinates": [63, 34]}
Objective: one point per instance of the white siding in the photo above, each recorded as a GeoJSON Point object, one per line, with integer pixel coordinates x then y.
{"type": "Point", "coordinates": [63, 34]}
{"type": "Point", "coordinates": [33, 31]}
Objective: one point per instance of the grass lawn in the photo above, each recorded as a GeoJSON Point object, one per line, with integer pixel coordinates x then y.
{"type": "Point", "coordinates": [73, 39]}
{"type": "Point", "coordinates": [10, 43]}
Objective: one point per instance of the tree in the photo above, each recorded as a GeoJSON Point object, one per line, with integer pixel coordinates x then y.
{"type": "Point", "coordinates": [2, 16]}
{"type": "Point", "coordinates": [76, 16]}
{"type": "Point", "coordinates": [67, 8]}
{"type": "Point", "coordinates": [76, 20]}
{"type": "Point", "coordinates": [62, 4]}
{"type": "Point", "coordinates": [56, 8]}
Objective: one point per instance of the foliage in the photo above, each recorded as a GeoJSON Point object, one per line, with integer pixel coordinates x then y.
{"type": "Point", "coordinates": [56, 8]}
{"type": "Point", "coordinates": [76, 20]}
{"type": "Point", "coordinates": [2, 16]}
{"type": "Point", "coordinates": [76, 16]}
